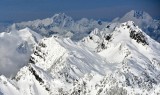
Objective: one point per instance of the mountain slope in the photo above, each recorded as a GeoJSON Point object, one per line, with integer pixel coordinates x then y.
{"type": "Point", "coordinates": [144, 21]}
{"type": "Point", "coordinates": [56, 67]}
{"type": "Point", "coordinates": [125, 62]}
{"type": "Point", "coordinates": [132, 54]}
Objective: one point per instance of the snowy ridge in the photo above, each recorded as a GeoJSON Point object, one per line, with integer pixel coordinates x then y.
{"type": "Point", "coordinates": [125, 61]}
{"type": "Point", "coordinates": [64, 66]}
{"type": "Point", "coordinates": [136, 58]}
{"type": "Point", "coordinates": [144, 21]}
{"type": "Point", "coordinates": [97, 36]}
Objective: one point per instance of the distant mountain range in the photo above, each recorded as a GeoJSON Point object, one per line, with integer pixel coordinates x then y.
{"type": "Point", "coordinates": [60, 24]}
{"type": "Point", "coordinates": [60, 56]}
{"type": "Point", "coordinates": [64, 25]}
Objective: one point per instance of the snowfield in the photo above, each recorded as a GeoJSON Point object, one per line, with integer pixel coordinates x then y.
{"type": "Point", "coordinates": [119, 59]}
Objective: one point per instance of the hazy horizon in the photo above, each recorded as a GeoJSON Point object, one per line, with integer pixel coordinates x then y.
{"type": "Point", "coordinates": [24, 10]}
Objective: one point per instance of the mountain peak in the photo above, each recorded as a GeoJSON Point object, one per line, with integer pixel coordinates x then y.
{"type": "Point", "coordinates": [61, 16]}
{"type": "Point", "coordinates": [138, 14]}
{"type": "Point", "coordinates": [127, 33]}
{"type": "Point", "coordinates": [144, 21]}
{"type": "Point", "coordinates": [129, 30]}
{"type": "Point", "coordinates": [140, 18]}
{"type": "Point", "coordinates": [61, 66]}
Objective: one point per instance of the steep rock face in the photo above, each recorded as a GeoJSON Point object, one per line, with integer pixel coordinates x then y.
{"type": "Point", "coordinates": [133, 52]}
{"type": "Point", "coordinates": [53, 68]}
{"type": "Point", "coordinates": [99, 39]}
{"type": "Point", "coordinates": [125, 65]}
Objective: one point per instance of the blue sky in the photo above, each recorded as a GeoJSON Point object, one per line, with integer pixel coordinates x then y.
{"type": "Point", "coordinates": [23, 10]}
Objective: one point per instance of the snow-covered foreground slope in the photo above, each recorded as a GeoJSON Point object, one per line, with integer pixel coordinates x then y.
{"type": "Point", "coordinates": [125, 61]}
{"type": "Point", "coordinates": [55, 67]}
{"type": "Point", "coordinates": [15, 50]}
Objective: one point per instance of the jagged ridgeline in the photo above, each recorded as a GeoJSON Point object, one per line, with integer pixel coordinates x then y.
{"type": "Point", "coordinates": [118, 60]}
{"type": "Point", "coordinates": [61, 24]}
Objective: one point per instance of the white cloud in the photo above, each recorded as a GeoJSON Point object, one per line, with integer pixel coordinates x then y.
{"type": "Point", "coordinates": [10, 59]}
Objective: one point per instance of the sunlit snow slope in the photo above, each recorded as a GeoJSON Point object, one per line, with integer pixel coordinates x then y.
{"type": "Point", "coordinates": [125, 61]}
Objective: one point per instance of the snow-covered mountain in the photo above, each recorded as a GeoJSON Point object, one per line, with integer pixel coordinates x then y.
{"type": "Point", "coordinates": [15, 49]}
{"type": "Point", "coordinates": [61, 24]}
{"type": "Point", "coordinates": [140, 18]}
{"type": "Point", "coordinates": [124, 61]}
{"type": "Point", "coordinates": [64, 25]}
{"type": "Point", "coordinates": [144, 21]}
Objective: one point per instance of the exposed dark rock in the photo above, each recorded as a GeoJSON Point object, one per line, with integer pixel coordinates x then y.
{"type": "Point", "coordinates": [47, 89]}
{"type": "Point", "coordinates": [90, 37]}
{"type": "Point", "coordinates": [100, 22]}
{"type": "Point", "coordinates": [37, 54]}
{"type": "Point", "coordinates": [32, 60]}
{"type": "Point", "coordinates": [103, 46]}
{"type": "Point", "coordinates": [36, 75]}
{"type": "Point", "coordinates": [139, 37]}
{"type": "Point", "coordinates": [108, 37]}
{"type": "Point", "coordinates": [42, 44]}
{"type": "Point", "coordinates": [108, 26]}
{"type": "Point", "coordinates": [38, 48]}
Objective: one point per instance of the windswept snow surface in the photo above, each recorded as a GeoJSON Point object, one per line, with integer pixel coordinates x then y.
{"type": "Point", "coordinates": [123, 62]}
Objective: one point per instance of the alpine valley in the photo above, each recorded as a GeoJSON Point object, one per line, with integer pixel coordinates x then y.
{"type": "Point", "coordinates": [60, 56]}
